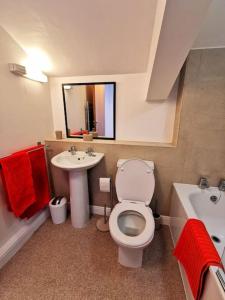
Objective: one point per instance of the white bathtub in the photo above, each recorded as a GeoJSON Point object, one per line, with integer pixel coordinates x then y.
{"type": "Point", "coordinates": [189, 201]}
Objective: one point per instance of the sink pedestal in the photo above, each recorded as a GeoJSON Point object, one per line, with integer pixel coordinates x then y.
{"type": "Point", "coordinates": [79, 198]}
{"type": "Point", "coordinates": [77, 165]}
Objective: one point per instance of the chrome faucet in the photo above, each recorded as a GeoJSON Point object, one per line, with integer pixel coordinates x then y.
{"type": "Point", "coordinates": [221, 186]}
{"type": "Point", "coordinates": [72, 150]}
{"type": "Point", "coordinates": [90, 151]}
{"type": "Point", "coordinates": [203, 183]}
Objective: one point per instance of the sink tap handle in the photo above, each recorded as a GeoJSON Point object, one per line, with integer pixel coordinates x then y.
{"type": "Point", "coordinates": [72, 150]}
{"type": "Point", "coordinates": [221, 186]}
{"type": "Point", "coordinates": [89, 151]}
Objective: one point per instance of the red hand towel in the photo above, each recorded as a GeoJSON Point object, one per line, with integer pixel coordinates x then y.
{"type": "Point", "coordinates": [196, 253]}
{"type": "Point", "coordinates": [81, 132]}
{"type": "Point", "coordinates": [18, 182]}
{"type": "Point", "coordinates": [40, 180]}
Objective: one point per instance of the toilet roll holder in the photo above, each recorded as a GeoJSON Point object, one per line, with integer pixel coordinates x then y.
{"type": "Point", "coordinates": [102, 223]}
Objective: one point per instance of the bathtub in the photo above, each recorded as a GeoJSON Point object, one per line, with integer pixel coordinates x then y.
{"type": "Point", "coordinates": [189, 201]}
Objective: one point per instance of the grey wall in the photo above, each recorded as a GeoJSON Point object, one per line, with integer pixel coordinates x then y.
{"type": "Point", "coordinates": [201, 142]}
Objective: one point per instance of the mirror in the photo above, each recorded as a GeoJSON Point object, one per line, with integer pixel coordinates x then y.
{"type": "Point", "coordinates": [90, 108]}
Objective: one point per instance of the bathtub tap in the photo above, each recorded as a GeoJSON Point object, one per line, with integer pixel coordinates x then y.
{"type": "Point", "coordinates": [221, 186]}
{"type": "Point", "coordinates": [203, 183]}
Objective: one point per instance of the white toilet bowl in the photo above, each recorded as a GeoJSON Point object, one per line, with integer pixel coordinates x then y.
{"type": "Point", "coordinates": [131, 222]}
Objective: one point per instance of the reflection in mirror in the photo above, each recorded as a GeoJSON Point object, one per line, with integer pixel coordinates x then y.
{"type": "Point", "coordinates": [90, 108]}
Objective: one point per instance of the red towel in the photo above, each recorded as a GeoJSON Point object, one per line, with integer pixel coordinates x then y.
{"type": "Point", "coordinates": [81, 132]}
{"type": "Point", "coordinates": [196, 253]}
{"type": "Point", "coordinates": [18, 182]}
{"type": "Point", "coordinates": [40, 180]}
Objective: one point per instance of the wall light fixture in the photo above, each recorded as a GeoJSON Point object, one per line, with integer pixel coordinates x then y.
{"type": "Point", "coordinates": [29, 72]}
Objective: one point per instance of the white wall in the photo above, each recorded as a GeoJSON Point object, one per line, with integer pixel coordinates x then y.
{"type": "Point", "coordinates": [136, 119]}
{"type": "Point", "coordinates": [25, 118]}
{"type": "Point", "coordinates": [75, 105]}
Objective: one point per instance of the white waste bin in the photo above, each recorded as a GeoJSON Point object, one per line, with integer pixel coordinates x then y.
{"type": "Point", "coordinates": [58, 211]}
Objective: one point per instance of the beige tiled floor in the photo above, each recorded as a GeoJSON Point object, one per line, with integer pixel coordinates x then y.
{"type": "Point", "coordinates": [60, 262]}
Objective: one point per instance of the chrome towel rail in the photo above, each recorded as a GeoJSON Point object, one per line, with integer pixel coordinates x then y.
{"type": "Point", "coordinates": [38, 144]}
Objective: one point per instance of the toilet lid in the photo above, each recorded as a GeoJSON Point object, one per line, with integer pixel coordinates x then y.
{"type": "Point", "coordinates": [135, 181]}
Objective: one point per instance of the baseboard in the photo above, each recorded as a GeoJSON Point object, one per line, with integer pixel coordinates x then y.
{"type": "Point", "coordinates": [165, 220]}
{"type": "Point", "coordinates": [99, 210]}
{"type": "Point", "coordinates": [15, 243]}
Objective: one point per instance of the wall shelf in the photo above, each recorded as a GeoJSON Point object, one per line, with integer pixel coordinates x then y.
{"type": "Point", "coordinates": [114, 142]}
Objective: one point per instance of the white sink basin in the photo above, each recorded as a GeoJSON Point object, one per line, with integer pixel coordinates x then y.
{"type": "Point", "coordinates": [81, 160]}
{"type": "Point", "coordinates": [77, 164]}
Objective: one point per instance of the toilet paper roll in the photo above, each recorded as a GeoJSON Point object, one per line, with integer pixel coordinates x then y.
{"type": "Point", "coordinates": [104, 184]}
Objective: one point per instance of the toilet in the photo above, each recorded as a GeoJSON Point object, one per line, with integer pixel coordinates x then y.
{"type": "Point", "coordinates": [131, 222]}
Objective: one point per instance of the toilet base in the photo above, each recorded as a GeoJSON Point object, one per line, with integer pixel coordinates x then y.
{"type": "Point", "coordinates": [130, 257]}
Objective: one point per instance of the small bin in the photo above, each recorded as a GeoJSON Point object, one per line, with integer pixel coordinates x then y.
{"type": "Point", "coordinates": [58, 211]}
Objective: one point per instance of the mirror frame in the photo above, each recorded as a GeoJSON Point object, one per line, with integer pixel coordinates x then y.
{"type": "Point", "coordinates": [114, 108]}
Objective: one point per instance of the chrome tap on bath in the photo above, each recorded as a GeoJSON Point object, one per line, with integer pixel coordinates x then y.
{"type": "Point", "coordinates": [221, 186]}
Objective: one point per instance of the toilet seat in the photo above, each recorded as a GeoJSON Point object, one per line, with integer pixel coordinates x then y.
{"type": "Point", "coordinates": [144, 237]}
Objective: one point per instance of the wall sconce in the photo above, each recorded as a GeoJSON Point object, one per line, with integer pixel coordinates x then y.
{"type": "Point", "coordinates": [28, 72]}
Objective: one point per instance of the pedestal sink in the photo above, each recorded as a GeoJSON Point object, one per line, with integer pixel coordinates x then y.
{"type": "Point", "coordinates": [77, 164]}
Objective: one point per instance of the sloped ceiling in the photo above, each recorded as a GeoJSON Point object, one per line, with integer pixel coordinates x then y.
{"type": "Point", "coordinates": [212, 33]}
{"type": "Point", "coordinates": [180, 27]}
{"type": "Point", "coordinates": [83, 37]}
